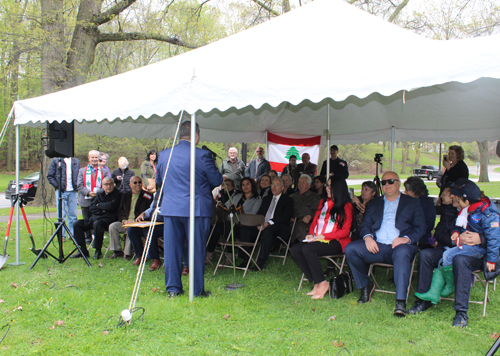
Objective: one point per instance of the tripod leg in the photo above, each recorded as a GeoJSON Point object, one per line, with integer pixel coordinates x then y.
{"type": "Point", "coordinates": [33, 249]}
{"type": "Point", "coordinates": [45, 248]}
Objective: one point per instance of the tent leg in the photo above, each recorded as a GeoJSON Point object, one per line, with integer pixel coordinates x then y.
{"type": "Point", "coordinates": [18, 262]}
{"type": "Point", "coordinates": [393, 133]}
{"type": "Point", "coordinates": [192, 201]}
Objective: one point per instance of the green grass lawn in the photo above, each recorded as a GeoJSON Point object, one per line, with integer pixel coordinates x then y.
{"type": "Point", "coordinates": [266, 317]}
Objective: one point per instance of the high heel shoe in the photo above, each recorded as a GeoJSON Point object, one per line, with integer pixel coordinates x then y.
{"type": "Point", "coordinates": [322, 289]}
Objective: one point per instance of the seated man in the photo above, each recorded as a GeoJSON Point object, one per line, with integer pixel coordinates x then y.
{"type": "Point", "coordinates": [277, 209]}
{"type": "Point", "coordinates": [135, 235]}
{"type": "Point", "coordinates": [122, 175]}
{"type": "Point", "coordinates": [305, 204]}
{"type": "Point", "coordinates": [306, 167]}
{"type": "Point", "coordinates": [132, 204]}
{"type": "Point", "coordinates": [392, 225]}
{"type": "Point", "coordinates": [104, 209]}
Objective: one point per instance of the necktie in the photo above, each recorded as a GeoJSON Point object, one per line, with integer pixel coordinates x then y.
{"type": "Point", "coordinates": [270, 211]}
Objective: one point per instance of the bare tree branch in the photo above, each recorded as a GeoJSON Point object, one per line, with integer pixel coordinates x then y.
{"type": "Point", "coordinates": [113, 11]}
{"type": "Point", "coordinates": [398, 10]}
{"type": "Point", "coordinates": [140, 36]}
{"type": "Point", "coordinates": [268, 8]}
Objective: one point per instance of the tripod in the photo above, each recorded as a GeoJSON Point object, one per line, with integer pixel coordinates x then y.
{"type": "Point", "coordinates": [376, 180]}
{"type": "Point", "coordinates": [60, 225]}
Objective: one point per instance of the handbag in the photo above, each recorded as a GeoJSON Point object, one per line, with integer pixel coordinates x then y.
{"type": "Point", "coordinates": [340, 285]}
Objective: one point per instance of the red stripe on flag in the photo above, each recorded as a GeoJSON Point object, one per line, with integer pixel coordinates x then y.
{"type": "Point", "coordinates": [311, 141]}
{"type": "Point", "coordinates": [278, 167]}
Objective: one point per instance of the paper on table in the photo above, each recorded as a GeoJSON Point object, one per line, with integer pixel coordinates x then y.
{"type": "Point", "coordinates": [142, 224]}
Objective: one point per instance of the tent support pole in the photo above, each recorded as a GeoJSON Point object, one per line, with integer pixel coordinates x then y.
{"type": "Point", "coordinates": [18, 262]}
{"type": "Point", "coordinates": [393, 133]}
{"type": "Point", "coordinates": [327, 142]}
{"type": "Point", "coordinates": [192, 201]}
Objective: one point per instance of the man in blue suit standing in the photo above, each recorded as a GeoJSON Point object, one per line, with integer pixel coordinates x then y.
{"type": "Point", "coordinates": [175, 208]}
{"type": "Point", "coordinates": [391, 228]}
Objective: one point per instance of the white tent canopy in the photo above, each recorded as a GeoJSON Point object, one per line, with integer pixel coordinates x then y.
{"type": "Point", "coordinates": [282, 75]}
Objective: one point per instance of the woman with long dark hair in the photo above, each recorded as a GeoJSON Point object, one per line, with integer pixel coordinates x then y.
{"type": "Point", "coordinates": [148, 171]}
{"type": "Point", "coordinates": [328, 235]}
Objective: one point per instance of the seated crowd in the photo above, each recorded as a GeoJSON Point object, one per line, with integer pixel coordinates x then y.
{"type": "Point", "coordinates": [326, 221]}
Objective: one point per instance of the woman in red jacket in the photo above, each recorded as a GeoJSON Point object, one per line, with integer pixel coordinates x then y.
{"type": "Point", "coordinates": [328, 235]}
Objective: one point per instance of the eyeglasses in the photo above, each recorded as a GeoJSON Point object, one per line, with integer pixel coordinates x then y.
{"type": "Point", "coordinates": [137, 182]}
{"type": "Point", "coordinates": [108, 183]}
{"type": "Point", "coordinates": [390, 181]}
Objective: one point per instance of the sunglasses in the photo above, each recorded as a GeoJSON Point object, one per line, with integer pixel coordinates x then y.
{"type": "Point", "coordinates": [390, 181]}
{"type": "Point", "coordinates": [137, 182]}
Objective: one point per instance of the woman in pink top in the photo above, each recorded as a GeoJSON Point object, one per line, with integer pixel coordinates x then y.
{"type": "Point", "coordinates": [328, 235]}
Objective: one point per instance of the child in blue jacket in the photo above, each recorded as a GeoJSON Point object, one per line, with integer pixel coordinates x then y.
{"type": "Point", "coordinates": [477, 214]}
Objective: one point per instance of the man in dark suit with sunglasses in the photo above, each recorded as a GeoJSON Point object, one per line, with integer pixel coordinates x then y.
{"type": "Point", "coordinates": [392, 225]}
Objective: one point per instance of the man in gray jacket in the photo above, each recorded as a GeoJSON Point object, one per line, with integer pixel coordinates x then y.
{"type": "Point", "coordinates": [89, 183]}
{"type": "Point", "coordinates": [233, 168]}
{"type": "Point", "coordinates": [258, 166]}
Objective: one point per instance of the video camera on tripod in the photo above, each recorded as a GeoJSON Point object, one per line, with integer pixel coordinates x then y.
{"type": "Point", "coordinates": [376, 180]}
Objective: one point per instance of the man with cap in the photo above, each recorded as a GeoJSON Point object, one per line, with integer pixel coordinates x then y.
{"type": "Point", "coordinates": [338, 166]}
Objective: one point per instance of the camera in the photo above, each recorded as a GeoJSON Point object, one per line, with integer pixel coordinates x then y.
{"type": "Point", "coordinates": [378, 157]}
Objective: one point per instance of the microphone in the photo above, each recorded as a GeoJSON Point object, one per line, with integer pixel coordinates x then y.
{"type": "Point", "coordinates": [214, 155]}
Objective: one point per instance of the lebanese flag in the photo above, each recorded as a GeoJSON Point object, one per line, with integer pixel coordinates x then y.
{"type": "Point", "coordinates": [279, 149]}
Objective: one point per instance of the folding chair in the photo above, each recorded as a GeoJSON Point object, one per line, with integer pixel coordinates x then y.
{"type": "Point", "coordinates": [249, 220]}
{"type": "Point", "coordinates": [285, 244]}
{"type": "Point", "coordinates": [333, 259]}
{"type": "Point", "coordinates": [387, 265]}
{"type": "Point", "coordinates": [123, 238]}
{"type": "Point", "coordinates": [486, 284]}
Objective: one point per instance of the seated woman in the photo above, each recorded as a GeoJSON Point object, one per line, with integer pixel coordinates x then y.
{"type": "Point", "coordinates": [416, 188]}
{"type": "Point", "coordinates": [319, 186]}
{"type": "Point", "coordinates": [264, 185]}
{"type": "Point", "coordinates": [328, 235]}
{"type": "Point", "coordinates": [248, 202]}
{"type": "Point", "coordinates": [273, 174]}
{"type": "Point", "coordinates": [368, 192]}
{"type": "Point", "coordinates": [287, 181]}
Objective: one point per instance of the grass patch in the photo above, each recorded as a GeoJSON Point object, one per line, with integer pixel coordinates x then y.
{"type": "Point", "coordinates": [266, 317]}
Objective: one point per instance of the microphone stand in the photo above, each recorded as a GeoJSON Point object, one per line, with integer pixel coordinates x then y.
{"type": "Point", "coordinates": [232, 213]}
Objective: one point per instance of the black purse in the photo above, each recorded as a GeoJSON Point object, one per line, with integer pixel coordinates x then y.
{"type": "Point", "coordinates": [340, 285]}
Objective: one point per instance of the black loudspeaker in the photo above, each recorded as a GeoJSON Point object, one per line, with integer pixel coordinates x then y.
{"type": "Point", "coordinates": [61, 137]}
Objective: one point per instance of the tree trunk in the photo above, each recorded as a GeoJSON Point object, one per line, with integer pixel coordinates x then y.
{"type": "Point", "coordinates": [53, 47]}
{"type": "Point", "coordinates": [83, 44]}
{"type": "Point", "coordinates": [404, 151]}
{"type": "Point", "coordinates": [483, 161]}
{"type": "Point", "coordinates": [417, 153]}
{"type": "Point", "coordinates": [48, 190]}
{"type": "Point", "coordinates": [53, 74]}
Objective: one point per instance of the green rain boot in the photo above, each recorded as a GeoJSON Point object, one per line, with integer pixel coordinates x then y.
{"type": "Point", "coordinates": [434, 293]}
{"type": "Point", "coordinates": [449, 288]}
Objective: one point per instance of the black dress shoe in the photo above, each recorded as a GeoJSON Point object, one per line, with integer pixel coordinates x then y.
{"type": "Point", "coordinates": [116, 254]}
{"type": "Point", "coordinates": [419, 306]}
{"type": "Point", "coordinates": [366, 293]}
{"type": "Point", "coordinates": [262, 267]}
{"type": "Point", "coordinates": [127, 257]}
{"type": "Point", "coordinates": [79, 255]}
{"type": "Point", "coordinates": [460, 320]}
{"type": "Point", "coordinates": [400, 309]}
{"type": "Point", "coordinates": [175, 294]}
{"type": "Point", "coordinates": [98, 255]}
{"type": "Point", "coordinates": [205, 294]}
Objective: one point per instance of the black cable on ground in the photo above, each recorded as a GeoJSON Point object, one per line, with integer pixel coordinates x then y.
{"type": "Point", "coordinates": [8, 328]}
